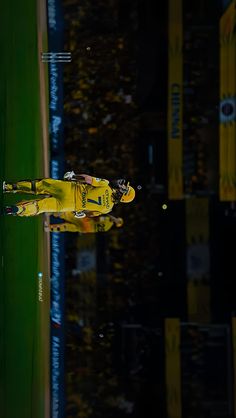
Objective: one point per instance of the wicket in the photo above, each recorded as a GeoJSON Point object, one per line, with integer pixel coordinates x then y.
{"type": "Point", "coordinates": [56, 57]}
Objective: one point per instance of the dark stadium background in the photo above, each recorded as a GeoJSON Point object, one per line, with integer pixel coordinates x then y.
{"type": "Point", "coordinates": [117, 366]}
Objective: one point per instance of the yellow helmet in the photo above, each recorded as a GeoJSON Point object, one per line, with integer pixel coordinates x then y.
{"type": "Point", "coordinates": [119, 222]}
{"type": "Point", "coordinates": [129, 195]}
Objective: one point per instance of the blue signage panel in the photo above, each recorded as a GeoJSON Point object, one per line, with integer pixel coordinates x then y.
{"type": "Point", "coordinates": [56, 44]}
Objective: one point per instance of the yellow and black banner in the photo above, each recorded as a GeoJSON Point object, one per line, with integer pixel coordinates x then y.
{"type": "Point", "coordinates": [198, 259]}
{"type": "Point", "coordinates": [175, 100]}
{"type": "Point", "coordinates": [173, 368]}
{"type": "Point", "coordinates": [227, 131]}
{"type": "Point", "coordinates": [234, 362]}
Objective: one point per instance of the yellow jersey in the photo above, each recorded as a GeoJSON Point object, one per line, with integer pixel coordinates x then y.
{"type": "Point", "coordinates": [83, 225]}
{"type": "Point", "coordinates": [96, 197]}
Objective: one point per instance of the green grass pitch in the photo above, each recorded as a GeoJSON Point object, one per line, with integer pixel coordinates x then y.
{"type": "Point", "coordinates": [24, 318]}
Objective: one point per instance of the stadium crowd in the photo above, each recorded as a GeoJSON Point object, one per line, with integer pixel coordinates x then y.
{"type": "Point", "coordinates": [122, 296]}
{"type": "Point", "coordinates": [100, 112]}
{"type": "Point", "coordinates": [101, 128]}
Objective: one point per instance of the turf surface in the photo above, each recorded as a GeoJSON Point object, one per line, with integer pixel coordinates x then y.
{"type": "Point", "coordinates": [24, 319]}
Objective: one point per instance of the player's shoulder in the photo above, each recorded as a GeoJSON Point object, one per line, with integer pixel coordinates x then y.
{"type": "Point", "coordinates": [98, 181]}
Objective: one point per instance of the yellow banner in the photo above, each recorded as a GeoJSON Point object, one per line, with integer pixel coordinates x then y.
{"type": "Point", "coordinates": [175, 100]}
{"type": "Point", "coordinates": [198, 259]}
{"type": "Point", "coordinates": [197, 219]}
{"type": "Point", "coordinates": [227, 133]}
{"type": "Point", "coordinates": [173, 368]}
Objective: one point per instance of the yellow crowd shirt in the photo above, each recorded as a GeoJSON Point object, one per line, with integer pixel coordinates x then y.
{"type": "Point", "coordinates": [98, 224]}
{"type": "Point", "coordinates": [82, 225]}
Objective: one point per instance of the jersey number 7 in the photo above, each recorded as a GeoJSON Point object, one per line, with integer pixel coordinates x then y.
{"type": "Point", "coordinates": [96, 202]}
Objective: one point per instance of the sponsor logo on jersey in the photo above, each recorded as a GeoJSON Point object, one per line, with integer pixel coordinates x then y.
{"type": "Point", "coordinates": [83, 199]}
{"type": "Point", "coordinates": [107, 200]}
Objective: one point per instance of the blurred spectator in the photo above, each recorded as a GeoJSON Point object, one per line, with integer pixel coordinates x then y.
{"type": "Point", "coordinates": [102, 127]}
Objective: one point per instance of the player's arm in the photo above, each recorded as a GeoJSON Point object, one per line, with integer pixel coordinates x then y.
{"type": "Point", "coordinates": [95, 181]}
{"type": "Point", "coordinates": [117, 221]}
{"type": "Point", "coordinates": [86, 178]}
{"type": "Point", "coordinates": [71, 176]}
{"type": "Point", "coordinates": [92, 214]}
{"type": "Point", "coordinates": [113, 218]}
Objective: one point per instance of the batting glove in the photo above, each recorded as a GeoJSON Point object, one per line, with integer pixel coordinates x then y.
{"type": "Point", "coordinates": [80, 215]}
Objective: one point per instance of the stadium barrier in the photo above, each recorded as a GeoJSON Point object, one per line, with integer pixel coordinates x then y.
{"type": "Point", "coordinates": [57, 169]}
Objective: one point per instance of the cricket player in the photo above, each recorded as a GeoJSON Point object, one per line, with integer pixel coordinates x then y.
{"type": "Point", "coordinates": [75, 193]}
{"type": "Point", "coordinates": [102, 223]}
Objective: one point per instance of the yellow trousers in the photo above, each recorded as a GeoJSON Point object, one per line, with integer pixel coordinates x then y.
{"type": "Point", "coordinates": [57, 196]}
